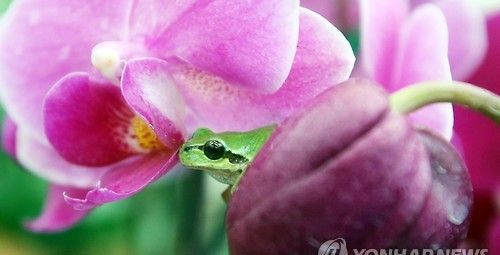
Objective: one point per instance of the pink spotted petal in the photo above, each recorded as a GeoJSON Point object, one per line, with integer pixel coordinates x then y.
{"type": "Point", "coordinates": [248, 43]}
{"type": "Point", "coordinates": [150, 91]}
{"type": "Point", "coordinates": [45, 162]}
{"type": "Point", "coordinates": [423, 56]}
{"type": "Point", "coordinates": [381, 21]}
{"type": "Point", "coordinates": [88, 122]}
{"type": "Point", "coordinates": [324, 58]}
{"type": "Point", "coordinates": [57, 214]}
{"type": "Point", "coordinates": [41, 41]}
{"type": "Point", "coordinates": [125, 180]}
{"type": "Point", "coordinates": [9, 136]}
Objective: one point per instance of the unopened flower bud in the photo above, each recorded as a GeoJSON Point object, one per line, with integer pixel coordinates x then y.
{"type": "Point", "coordinates": [348, 166]}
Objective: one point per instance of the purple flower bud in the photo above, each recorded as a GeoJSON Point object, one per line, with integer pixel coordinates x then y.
{"type": "Point", "coordinates": [347, 166]}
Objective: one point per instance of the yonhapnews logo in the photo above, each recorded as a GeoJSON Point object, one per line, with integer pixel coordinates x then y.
{"type": "Point", "coordinates": [339, 247]}
{"type": "Point", "coordinates": [333, 247]}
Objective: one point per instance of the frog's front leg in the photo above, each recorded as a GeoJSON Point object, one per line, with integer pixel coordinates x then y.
{"type": "Point", "coordinates": [227, 194]}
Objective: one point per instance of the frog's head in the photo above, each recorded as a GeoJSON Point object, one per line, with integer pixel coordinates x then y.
{"type": "Point", "coordinates": [214, 153]}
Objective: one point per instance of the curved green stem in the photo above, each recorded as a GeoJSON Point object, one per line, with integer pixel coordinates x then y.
{"type": "Point", "coordinates": [419, 95]}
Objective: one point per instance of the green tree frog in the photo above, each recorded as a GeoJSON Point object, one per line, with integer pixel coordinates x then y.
{"type": "Point", "coordinates": [225, 156]}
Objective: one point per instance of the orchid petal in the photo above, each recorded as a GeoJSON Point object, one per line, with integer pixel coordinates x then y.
{"type": "Point", "coordinates": [423, 56]}
{"type": "Point", "coordinates": [149, 18]}
{"type": "Point", "coordinates": [150, 91]}
{"type": "Point", "coordinates": [380, 24]}
{"type": "Point", "coordinates": [9, 136]}
{"type": "Point", "coordinates": [125, 180]}
{"type": "Point", "coordinates": [468, 36]}
{"type": "Point", "coordinates": [89, 123]}
{"type": "Point", "coordinates": [57, 214]}
{"type": "Point", "coordinates": [324, 58]}
{"type": "Point", "coordinates": [423, 49]}
{"type": "Point", "coordinates": [253, 51]}
{"type": "Point", "coordinates": [463, 18]}
{"type": "Point", "coordinates": [44, 161]}
{"type": "Point", "coordinates": [40, 41]}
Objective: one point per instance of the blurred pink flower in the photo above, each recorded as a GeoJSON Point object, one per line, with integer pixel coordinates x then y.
{"type": "Point", "coordinates": [400, 47]}
{"type": "Point", "coordinates": [419, 55]}
{"type": "Point", "coordinates": [343, 13]}
{"type": "Point", "coordinates": [102, 94]}
{"type": "Point", "coordinates": [409, 41]}
{"type": "Point", "coordinates": [474, 56]}
{"type": "Point", "coordinates": [463, 17]}
{"type": "Point", "coordinates": [480, 141]}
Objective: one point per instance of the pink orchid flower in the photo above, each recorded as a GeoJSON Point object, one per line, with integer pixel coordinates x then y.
{"type": "Point", "coordinates": [402, 45]}
{"type": "Point", "coordinates": [403, 42]}
{"type": "Point", "coordinates": [101, 94]}
{"type": "Point", "coordinates": [463, 17]}
{"type": "Point", "coordinates": [471, 130]}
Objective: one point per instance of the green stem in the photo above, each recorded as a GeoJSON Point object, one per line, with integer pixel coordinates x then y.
{"type": "Point", "coordinates": [190, 206]}
{"type": "Point", "coordinates": [218, 237]}
{"type": "Point", "coordinates": [419, 95]}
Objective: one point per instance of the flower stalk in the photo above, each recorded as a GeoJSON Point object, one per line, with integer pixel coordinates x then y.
{"type": "Point", "coordinates": [419, 95]}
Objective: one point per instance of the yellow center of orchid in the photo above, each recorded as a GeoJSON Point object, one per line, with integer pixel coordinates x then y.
{"type": "Point", "coordinates": [145, 135]}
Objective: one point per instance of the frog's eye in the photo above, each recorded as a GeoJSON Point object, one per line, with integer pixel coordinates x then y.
{"type": "Point", "coordinates": [214, 149]}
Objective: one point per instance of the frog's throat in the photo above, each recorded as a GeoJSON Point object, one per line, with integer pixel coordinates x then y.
{"type": "Point", "coordinates": [226, 177]}
{"type": "Point", "coordinates": [229, 175]}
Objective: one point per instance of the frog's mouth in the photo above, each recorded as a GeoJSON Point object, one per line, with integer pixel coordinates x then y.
{"type": "Point", "coordinates": [188, 148]}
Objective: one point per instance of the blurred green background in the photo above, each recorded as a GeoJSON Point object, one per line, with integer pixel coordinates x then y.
{"type": "Point", "coordinates": [181, 214]}
{"type": "Point", "coordinates": [4, 4]}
